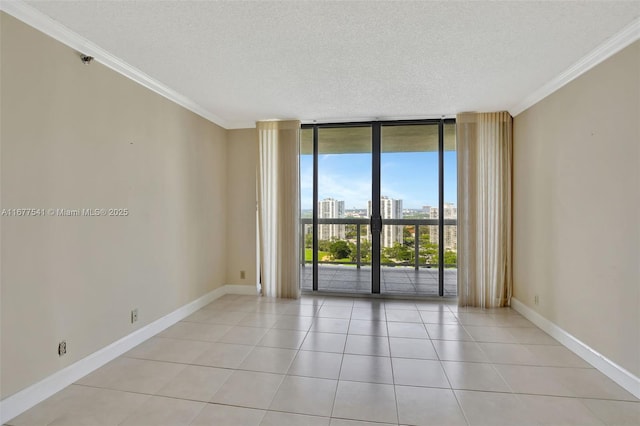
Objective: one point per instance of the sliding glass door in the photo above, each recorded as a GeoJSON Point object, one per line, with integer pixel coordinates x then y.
{"type": "Point", "coordinates": [371, 197]}
{"type": "Point", "coordinates": [409, 187]}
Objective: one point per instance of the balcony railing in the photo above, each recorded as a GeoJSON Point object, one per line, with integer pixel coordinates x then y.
{"type": "Point", "coordinates": [359, 223]}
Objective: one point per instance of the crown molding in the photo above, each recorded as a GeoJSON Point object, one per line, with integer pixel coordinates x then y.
{"type": "Point", "coordinates": [627, 36]}
{"type": "Point", "coordinates": [43, 23]}
{"type": "Point", "coordinates": [52, 28]}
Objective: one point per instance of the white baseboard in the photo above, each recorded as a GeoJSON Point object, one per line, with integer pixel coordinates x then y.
{"type": "Point", "coordinates": [19, 402]}
{"type": "Point", "coordinates": [609, 368]}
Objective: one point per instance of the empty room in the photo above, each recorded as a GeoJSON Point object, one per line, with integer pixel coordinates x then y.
{"type": "Point", "coordinates": [331, 213]}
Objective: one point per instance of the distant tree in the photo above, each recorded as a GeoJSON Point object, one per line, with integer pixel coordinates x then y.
{"type": "Point", "coordinates": [365, 251]}
{"type": "Point", "coordinates": [324, 245]}
{"type": "Point", "coordinates": [450, 258]}
{"type": "Point", "coordinates": [424, 235]}
{"type": "Point", "coordinates": [353, 255]}
{"type": "Point", "coordinates": [428, 252]}
{"type": "Point", "coordinates": [399, 252]}
{"type": "Point", "coordinates": [407, 231]}
{"type": "Point", "coordinates": [339, 249]}
{"type": "Point", "coordinates": [350, 231]}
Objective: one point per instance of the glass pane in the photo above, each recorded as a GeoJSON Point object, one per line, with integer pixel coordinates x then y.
{"type": "Point", "coordinates": [450, 211]}
{"type": "Point", "coordinates": [409, 189]}
{"type": "Point", "coordinates": [344, 190]}
{"type": "Point", "coordinates": [306, 208]}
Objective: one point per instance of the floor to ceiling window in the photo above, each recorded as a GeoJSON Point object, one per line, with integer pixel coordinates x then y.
{"type": "Point", "coordinates": [378, 204]}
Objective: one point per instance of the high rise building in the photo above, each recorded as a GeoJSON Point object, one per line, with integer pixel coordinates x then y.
{"type": "Point", "coordinates": [450, 231]}
{"type": "Point", "coordinates": [389, 209]}
{"type": "Point", "coordinates": [331, 209]}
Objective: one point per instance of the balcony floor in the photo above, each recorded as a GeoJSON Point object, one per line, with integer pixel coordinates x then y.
{"type": "Point", "coordinates": [396, 280]}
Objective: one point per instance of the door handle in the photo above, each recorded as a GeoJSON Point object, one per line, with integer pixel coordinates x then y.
{"type": "Point", "coordinates": [376, 223]}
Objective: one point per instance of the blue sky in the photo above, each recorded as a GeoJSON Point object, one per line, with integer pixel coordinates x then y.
{"type": "Point", "coordinates": [410, 176]}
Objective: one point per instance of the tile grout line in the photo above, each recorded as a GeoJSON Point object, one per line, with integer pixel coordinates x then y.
{"type": "Point", "coordinates": [393, 376]}
{"type": "Point", "coordinates": [268, 311]}
{"type": "Point", "coordinates": [335, 395]}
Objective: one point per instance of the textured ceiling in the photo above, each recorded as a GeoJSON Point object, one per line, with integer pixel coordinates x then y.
{"type": "Point", "coordinates": [314, 60]}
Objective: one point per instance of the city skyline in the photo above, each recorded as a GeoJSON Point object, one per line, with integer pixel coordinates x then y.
{"type": "Point", "coordinates": [412, 177]}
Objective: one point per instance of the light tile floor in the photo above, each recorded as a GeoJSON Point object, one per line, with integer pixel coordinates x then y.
{"type": "Point", "coordinates": [341, 361]}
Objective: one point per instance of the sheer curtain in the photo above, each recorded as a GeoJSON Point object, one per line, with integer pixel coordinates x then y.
{"type": "Point", "coordinates": [485, 146]}
{"type": "Point", "coordinates": [278, 207]}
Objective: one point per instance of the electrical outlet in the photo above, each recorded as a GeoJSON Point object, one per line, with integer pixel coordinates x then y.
{"type": "Point", "coordinates": [134, 316]}
{"type": "Point", "coordinates": [242, 275]}
{"type": "Point", "coordinates": [536, 299]}
{"type": "Point", "coordinates": [62, 348]}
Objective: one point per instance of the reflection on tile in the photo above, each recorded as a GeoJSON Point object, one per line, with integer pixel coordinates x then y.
{"type": "Point", "coordinates": [294, 322]}
{"type": "Point", "coordinates": [330, 325]}
{"type": "Point", "coordinates": [491, 334]}
{"type": "Point", "coordinates": [373, 313]}
{"type": "Point", "coordinates": [412, 348]}
{"type": "Point", "coordinates": [367, 345]}
{"type": "Point", "coordinates": [324, 342]}
{"type": "Point", "coordinates": [287, 339]}
{"type": "Point", "coordinates": [428, 406]}
{"type": "Point", "coordinates": [447, 332]}
{"type": "Point", "coordinates": [305, 395]}
{"type": "Point", "coordinates": [419, 372]}
{"type": "Point", "coordinates": [365, 401]}
{"type": "Point", "coordinates": [323, 365]}
{"type": "Point", "coordinates": [398, 315]}
{"type": "Point", "coordinates": [439, 317]}
{"type": "Point", "coordinates": [407, 329]}
{"type": "Point", "coordinates": [335, 312]}
{"type": "Point", "coordinates": [368, 328]}
{"type": "Point", "coordinates": [364, 368]}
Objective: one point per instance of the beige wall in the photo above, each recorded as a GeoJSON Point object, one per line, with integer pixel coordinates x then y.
{"type": "Point", "coordinates": [577, 208]}
{"type": "Point", "coordinates": [76, 136]}
{"type": "Point", "coordinates": [242, 161]}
